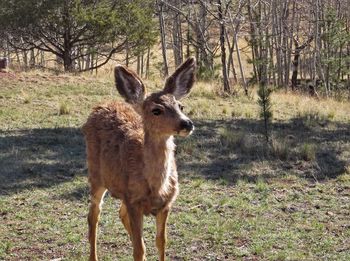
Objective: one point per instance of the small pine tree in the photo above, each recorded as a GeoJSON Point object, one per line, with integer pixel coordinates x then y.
{"type": "Point", "coordinates": [264, 102]}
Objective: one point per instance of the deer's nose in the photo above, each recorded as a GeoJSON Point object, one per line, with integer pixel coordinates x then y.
{"type": "Point", "coordinates": [186, 125]}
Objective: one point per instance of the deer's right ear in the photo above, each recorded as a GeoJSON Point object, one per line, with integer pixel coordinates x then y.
{"type": "Point", "coordinates": [129, 85]}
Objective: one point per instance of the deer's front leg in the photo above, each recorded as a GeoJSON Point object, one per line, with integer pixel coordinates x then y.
{"type": "Point", "coordinates": [161, 220]}
{"type": "Point", "coordinates": [136, 222]}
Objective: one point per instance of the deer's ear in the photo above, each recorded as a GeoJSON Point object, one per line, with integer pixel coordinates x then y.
{"type": "Point", "coordinates": [181, 81]}
{"type": "Point", "coordinates": [129, 85]}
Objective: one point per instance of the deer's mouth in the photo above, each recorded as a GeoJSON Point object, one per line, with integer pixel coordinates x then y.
{"type": "Point", "coordinates": [185, 132]}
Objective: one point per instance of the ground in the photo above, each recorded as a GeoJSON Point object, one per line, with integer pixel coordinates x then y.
{"type": "Point", "coordinates": [239, 200]}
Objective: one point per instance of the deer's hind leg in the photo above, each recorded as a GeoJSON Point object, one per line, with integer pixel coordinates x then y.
{"type": "Point", "coordinates": [97, 194]}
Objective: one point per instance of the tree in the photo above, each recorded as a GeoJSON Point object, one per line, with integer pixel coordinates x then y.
{"type": "Point", "coordinates": [75, 29]}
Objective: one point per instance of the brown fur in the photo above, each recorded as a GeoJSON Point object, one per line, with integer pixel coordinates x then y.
{"type": "Point", "coordinates": [130, 153]}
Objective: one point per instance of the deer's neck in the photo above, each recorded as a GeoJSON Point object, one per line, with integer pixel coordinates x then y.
{"type": "Point", "coordinates": [159, 163]}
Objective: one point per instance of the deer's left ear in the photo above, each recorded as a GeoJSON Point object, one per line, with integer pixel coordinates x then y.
{"type": "Point", "coordinates": [181, 81]}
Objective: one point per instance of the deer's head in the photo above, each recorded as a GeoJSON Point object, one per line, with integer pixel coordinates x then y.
{"type": "Point", "coordinates": [161, 111]}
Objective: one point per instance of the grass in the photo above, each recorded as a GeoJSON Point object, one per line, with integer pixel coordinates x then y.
{"type": "Point", "coordinates": [238, 200]}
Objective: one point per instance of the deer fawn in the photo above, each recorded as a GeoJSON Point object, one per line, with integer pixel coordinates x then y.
{"type": "Point", "coordinates": [130, 153]}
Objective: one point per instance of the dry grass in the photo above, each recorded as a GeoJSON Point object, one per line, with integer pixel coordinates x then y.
{"type": "Point", "coordinates": [289, 105]}
{"type": "Point", "coordinates": [308, 152]}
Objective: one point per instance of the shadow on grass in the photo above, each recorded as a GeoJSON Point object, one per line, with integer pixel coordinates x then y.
{"type": "Point", "coordinates": [40, 158]}
{"type": "Point", "coordinates": [210, 158]}
{"type": "Point", "coordinates": [80, 193]}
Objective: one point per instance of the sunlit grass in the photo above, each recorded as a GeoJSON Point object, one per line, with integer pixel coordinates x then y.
{"type": "Point", "coordinates": [289, 105]}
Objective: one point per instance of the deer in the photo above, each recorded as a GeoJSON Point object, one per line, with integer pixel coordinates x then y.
{"type": "Point", "coordinates": [131, 154]}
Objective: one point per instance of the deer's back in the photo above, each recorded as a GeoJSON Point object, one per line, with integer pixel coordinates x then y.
{"type": "Point", "coordinates": [114, 139]}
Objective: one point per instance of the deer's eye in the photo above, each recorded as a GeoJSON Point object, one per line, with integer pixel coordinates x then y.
{"type": "Point", "coordinates": [181, 107]}
{"type": "Point", "coordinates": [157, 111]}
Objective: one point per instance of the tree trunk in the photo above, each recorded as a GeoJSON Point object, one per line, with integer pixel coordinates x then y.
{"type": "Point", "coordinates": [245, 86]}
{"type": "Point", "coordinates": [42, 58]}
{"type": "Point", "coordinates": [222, 46]}
{"type": "Point", "coordinates": [253, 41]}
{"type": "Point", "coordinates": [188, 33]}
{"type": "Point", "coordinates": [138, 65]}
{"type": "Point", "coordinates": [295, 64]}
{"type": "Point", "coordinates": [127, 54]}
{"type": "Point", "coordinates": [162, 36]}
{"type": "Point", "coordinates": [32, 58]}
{"type": "Point", "coordinates": [67, 61]}
{"type": "Point", "coordinates": [177, 37]}
{"type": "Point", "coordinates": [230, 57]}
{"type": "Point", "coordinates": [67, 53]}
{"type": "Point", "coordinates": [147, 62]}
{"type": "Point", "coordinates": [205, 59]}
{"type": "Point", "coordinates": [286, 44]}
{"type": "Point", "coordinates": [141, 65]}
{"type": "Point", "coordinates": [277, 31]}
{"type": "Point", "coordinates": [96, 63]}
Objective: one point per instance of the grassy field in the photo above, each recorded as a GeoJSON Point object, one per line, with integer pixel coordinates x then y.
{"type": "Point", "coordinates": [238, 200]}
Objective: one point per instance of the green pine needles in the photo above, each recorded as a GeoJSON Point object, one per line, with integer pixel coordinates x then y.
{"type": "Point", "coordinates": [264, 102]}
